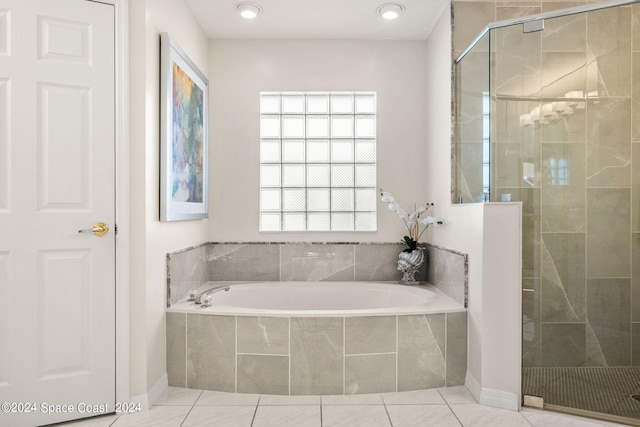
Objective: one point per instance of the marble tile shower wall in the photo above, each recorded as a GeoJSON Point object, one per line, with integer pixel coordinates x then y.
{"type": "Point", "coordinates": [312, 356]}
{"type": "Point", "coordinates": [194, 266]}
{"type": "Point", "coordinates": [581, 207]}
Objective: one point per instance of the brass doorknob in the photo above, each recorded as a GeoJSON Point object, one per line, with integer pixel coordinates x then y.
{"type": "Point", "coordinates": [99, 229]}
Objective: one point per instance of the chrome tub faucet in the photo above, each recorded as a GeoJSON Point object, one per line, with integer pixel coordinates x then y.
{"type": "Point", "coordinates": [204, 298]}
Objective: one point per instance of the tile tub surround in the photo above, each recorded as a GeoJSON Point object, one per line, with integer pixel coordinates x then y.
{"type": "Point", "coordinates": [259, 261]}
{"type": "Point", "coordinates": [448, 270]}
{"type": "Point", "coordinates": [186, 270]}
{"type": "Point", "coordinates": [316, 355]}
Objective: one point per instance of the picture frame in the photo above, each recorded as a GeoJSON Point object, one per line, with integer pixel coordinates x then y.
{"type": "Point", "coordinates": [184, 109]}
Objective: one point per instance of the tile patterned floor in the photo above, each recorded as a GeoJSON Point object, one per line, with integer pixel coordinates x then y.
{"type": "Point", "coordinates": [601, 389]}
{"type": "Point", "coordinates": [447, 407]}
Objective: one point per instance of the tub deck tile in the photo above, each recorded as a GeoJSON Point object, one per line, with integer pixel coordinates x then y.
{"type": "Point", "coordinates": [317, 351]}
{"type": "Point", "coordinates": [421, 352]}
{"type": "Point", "coordinates": [211, 352]}
{"type": "Point", "coordinates": [370, 373]}
{"type": "Point", "coordinates": [370, 334]}
{"type": "Point", "coordinates": [263, 374]}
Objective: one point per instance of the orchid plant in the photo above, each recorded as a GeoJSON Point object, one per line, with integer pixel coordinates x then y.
{"type": "Point", "coordinates": [412, 221]}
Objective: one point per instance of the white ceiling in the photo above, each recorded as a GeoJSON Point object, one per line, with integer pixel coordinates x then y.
{"type": "Point", "coordinates": [317, 19]}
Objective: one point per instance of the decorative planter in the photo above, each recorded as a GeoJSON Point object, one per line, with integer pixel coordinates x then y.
{"type": "Point", "coordinates": [409, 263]}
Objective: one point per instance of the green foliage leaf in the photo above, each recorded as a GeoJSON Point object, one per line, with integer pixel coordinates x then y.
{"type": "Point", "coordinates": [411, 243]}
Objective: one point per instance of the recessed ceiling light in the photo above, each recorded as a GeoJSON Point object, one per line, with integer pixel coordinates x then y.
{"type": "Point", "coordinates": [248, 10]}
{"type": "Point", "coordinates": [391, 10]}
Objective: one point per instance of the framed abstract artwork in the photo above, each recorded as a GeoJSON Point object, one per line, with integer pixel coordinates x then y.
{"type": "Point", "coordinates": [184, 108]}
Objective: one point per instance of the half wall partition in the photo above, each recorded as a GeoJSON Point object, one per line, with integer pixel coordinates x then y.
{"type": "Point", "coordinates": [547, 112]}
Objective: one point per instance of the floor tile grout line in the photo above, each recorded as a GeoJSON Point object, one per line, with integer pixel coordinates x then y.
{"type": "Point", "coordinates": [114, 420]}
{"type": "Point", "coordinates": [353, 404]}
{"type": "Point", "coordinates": [198, 398]}
{"type": "Point", "coordinates": [526, 419]}
{"type": "Point", "coordinates": [255, 412]}
{"type": "Point", "coordinates": [384, 404]}
{"type": "Point", "coordinates": [187, 415]}
{"type": "Point", "coordinates": [450, 408]}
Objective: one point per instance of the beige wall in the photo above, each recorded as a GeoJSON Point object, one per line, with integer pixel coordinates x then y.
{"type": "Point", "coordinates": [413, 151]}
{"type": "Point", "coordinates": [239, 70]}
{"type": "Point", "coordinates": [150, 238]}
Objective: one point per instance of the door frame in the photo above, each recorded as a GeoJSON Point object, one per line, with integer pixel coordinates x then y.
{"type": "Point", "coordinates": [122, 181]}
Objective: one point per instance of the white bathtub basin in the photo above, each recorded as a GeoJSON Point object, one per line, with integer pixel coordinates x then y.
{"type": "Point", "coordinates": [322, 299]}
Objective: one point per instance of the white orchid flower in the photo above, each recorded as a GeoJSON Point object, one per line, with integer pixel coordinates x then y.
{"type": "Point", "coordinates": [387, 197]}
{"type": "Point", "coordinates": [430, 221]}
{"type": "Point", "coordinates": [411, 221]}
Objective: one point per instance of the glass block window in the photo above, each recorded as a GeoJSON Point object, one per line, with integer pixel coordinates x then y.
{"type": "Point", "coordinates": [318, 161]}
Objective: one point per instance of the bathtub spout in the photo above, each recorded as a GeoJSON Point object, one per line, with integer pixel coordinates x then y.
{"type": "Point", "coordinates": [207, 296]}
{"type": "Point", "coordinates": [197, 298]}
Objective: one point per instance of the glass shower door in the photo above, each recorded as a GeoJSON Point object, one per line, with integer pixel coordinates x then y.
{"type": "Point", "coordinates": [472, 125]}
{"type": "Point", "coordinates": [561, 112]}
{"type": "Point", "coordinates": [579, 348]}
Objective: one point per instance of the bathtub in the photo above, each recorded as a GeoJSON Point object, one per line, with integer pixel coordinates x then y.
{"type": "Point", "coordinates": [307, 338]}
{"type": "Point", "coordinates": [321, 299]}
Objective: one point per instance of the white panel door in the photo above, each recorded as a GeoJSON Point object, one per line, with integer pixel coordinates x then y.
{"type": "Point", "coordinates": [57, 286]}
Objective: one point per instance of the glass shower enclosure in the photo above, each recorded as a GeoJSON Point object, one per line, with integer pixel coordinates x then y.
{"type": "Point", "coordinates": [547, 113]}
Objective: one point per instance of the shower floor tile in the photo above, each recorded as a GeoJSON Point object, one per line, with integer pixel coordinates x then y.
{"type": "Point", "coordinates": [605, 390]}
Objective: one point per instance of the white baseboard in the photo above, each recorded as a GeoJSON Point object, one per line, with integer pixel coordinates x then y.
{"type": "Point", "coordinates": [147, 400]}
{"type": "Point", "coordinates": [491, 397]}
{"type": "Point", "coordinates": [473, 386]}
{"type": "Point", "coordinates": [499, 399]}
